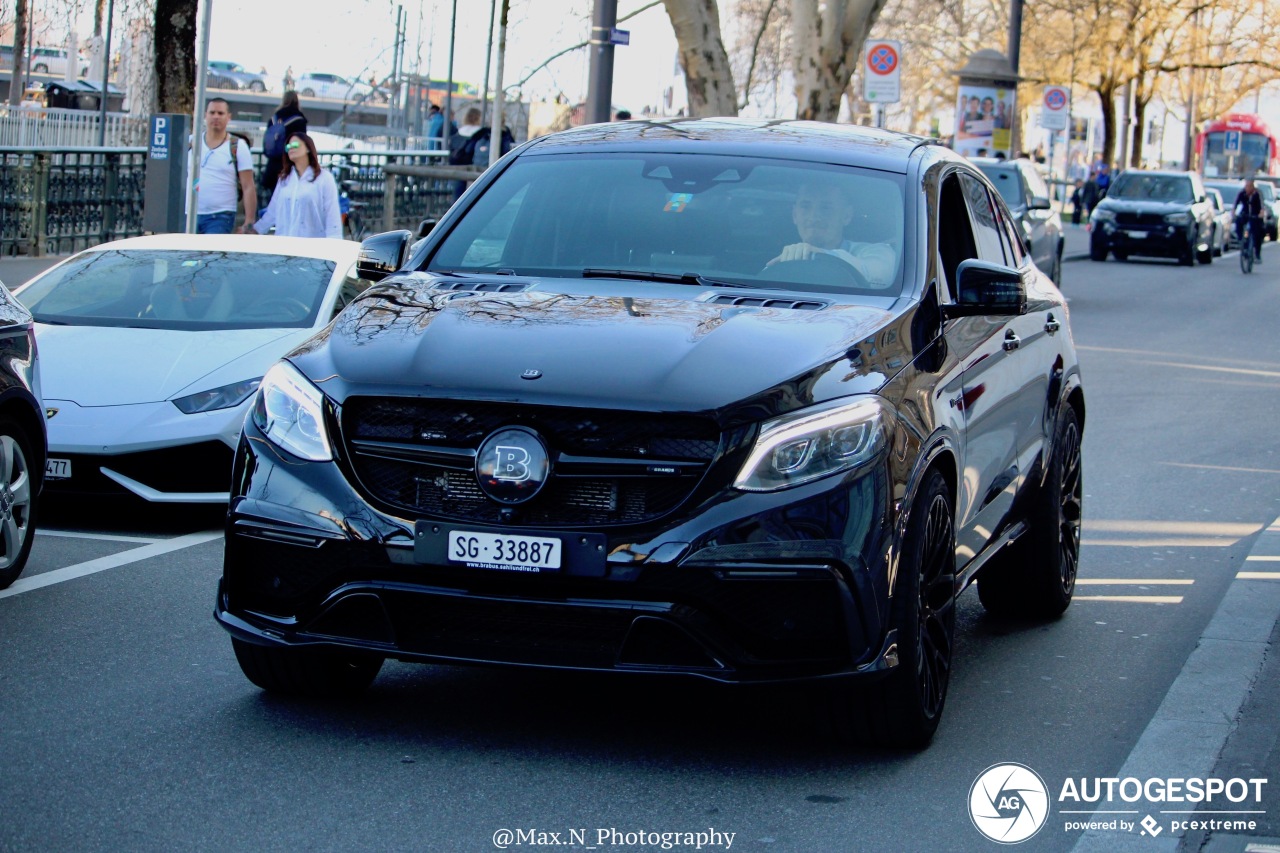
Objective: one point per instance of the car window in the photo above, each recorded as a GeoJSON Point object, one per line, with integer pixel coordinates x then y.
{"type": "Point", "coordinates": [954, 230]}
{"type": "Point", "coordinates": [1035, 183]}
{"type": "Point", "coordinates": [1009, 231]}
{"type": "Point", "coordinates": [724, 218]}
{"type": "Point", "coordinates": [177, 289]}
{"type": "Point", "coordinates": [1005, 180]}
{"type": "Point", "coordinates": [1265, 190]}
{"type": "Point", "coordinates": [1136, 185]}
{"type": "Point", "coordinates": [986, 229]}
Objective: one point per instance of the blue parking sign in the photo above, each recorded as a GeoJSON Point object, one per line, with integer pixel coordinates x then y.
{"type": "Point", "coordinates": [1231, 142]}
{"type": "Point", "coordinates": [159, 138]}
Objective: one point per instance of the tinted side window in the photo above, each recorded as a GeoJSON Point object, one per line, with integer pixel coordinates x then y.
{"type": "Point", "coordinates": [955, 234]}
{"type": "Point", "coordinates": [986, 228]}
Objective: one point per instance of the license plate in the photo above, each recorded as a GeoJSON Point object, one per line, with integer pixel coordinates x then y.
{"type": "Point", "coordinates": [503, 552]}
{"type": "Point", "coordinates": [57, 469]}
{"type": "Point", "coordinates": [1137, 235]}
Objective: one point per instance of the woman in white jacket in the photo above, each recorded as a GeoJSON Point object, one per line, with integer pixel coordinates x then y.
{"type": "Point", "coordinates": [305, 200]}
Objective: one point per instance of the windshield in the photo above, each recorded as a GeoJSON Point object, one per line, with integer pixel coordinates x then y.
{"type": "Point", "coordinates": [1133, 185]}
{"type": "Point", "coordinates": [175, 289]}
{"type": "Point", "coordinates": [736, 220]}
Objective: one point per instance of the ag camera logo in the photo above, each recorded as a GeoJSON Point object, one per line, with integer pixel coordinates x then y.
{"type": "Point", "coordinates": [1008, 803]}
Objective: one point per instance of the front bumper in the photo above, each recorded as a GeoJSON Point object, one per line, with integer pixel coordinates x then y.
{"type": "Point", "coordinates": [740, 588]}
{"type": "Point", "coordinates": [1142, 239]}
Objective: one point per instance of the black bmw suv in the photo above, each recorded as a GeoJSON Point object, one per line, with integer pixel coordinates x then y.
{"type": "Point", "coordinates": [743, 401]}
{"type": "Point", "coordinates": [1165, 214]}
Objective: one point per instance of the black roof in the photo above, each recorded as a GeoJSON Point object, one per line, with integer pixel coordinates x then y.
{"type": "Point", "coordinates": [816, 141]}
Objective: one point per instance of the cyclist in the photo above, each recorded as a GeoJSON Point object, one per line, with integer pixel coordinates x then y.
{"type": "Point", "coordinates": [1248, 208]}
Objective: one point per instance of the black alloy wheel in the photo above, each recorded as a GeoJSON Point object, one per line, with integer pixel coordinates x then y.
{"type": "Point", "coordinates": [1035, 577]}
{"type": "Point", "coordinates": [903, 709]}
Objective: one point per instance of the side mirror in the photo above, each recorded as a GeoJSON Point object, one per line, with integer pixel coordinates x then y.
{"type": "Point", "coordinates": [382, 254]}
{"type": "Point", "coordinates": [424, 228]}
{"type": "Point", "coordinates": [1039, 202]}
{"type": "Point", "coordinates": [987, 289]}
{"type": "Point", "coordinates": [1202, 199]}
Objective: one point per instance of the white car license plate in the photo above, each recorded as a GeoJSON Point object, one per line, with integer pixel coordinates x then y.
{"type": "Point", "coordinates": [509, 553]}
{"type": "Point", "coordinates": [57, 469]}
{"type": "Point", "coordinates": [1137, 235]}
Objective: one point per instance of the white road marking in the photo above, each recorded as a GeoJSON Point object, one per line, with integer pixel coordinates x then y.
{"type": "Point", "coordinates": [110, 561]}
{"type": "Point", "coordinates": [1134, 581]}
{"type": "Point", "coordinates": [1259, 576]}
{"type": "Point", "coordinates": [105, 537]}
{"type": "Point", "coordinates": [1259, 559]}
{"type": "Point", "coordinates": [1132, 599]}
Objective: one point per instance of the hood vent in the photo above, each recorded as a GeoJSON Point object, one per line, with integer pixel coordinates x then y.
{"type": "Point", "coordinates": [484, 286]}
{"type": "Point", "coordinates": [768, 302]}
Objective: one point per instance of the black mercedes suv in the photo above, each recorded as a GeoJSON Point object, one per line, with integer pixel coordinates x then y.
{"type": "Point", "coordinates": [738, 400]}
{"type": "Point", "coordinates": [1165, 214]}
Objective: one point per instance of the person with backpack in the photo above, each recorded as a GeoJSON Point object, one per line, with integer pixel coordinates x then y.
{"type": "Point", "coordinates": [461, 148]}
{"type": "Point", "coordinates": [287, 120]}
{"type": "Point", "coordinates": [226, 174]}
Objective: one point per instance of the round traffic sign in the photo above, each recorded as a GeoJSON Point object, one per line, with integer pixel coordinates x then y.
{"type": "Point", "coordinates": [882, 59]}
{"type": "Point", "coordinates": [1055, 99]}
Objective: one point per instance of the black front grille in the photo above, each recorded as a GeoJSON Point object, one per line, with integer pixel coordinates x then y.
{"type": "Point", "coordinates": [203, 467]}
{"type": "Point", "coordinates": [683, 446]}
{"type": "Point", "coordinates": [1140, 218]}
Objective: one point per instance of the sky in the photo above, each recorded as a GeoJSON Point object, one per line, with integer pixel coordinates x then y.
{"type": "Point", "coordinates": [355, 37]}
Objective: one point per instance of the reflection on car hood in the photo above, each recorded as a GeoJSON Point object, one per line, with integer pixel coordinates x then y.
{"type": "Point", "coordinates": [641, 345]}
{"type": "Point", "coordinates": [112, 366]}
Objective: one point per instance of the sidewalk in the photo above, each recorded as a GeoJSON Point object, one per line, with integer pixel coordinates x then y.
{"type": "Point", "coordinates": [1219, 719]}
{"type": "Point", "coordinates": [15, 271]}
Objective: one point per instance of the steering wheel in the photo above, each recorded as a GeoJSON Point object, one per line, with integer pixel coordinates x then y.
{"type": "Point", "coordinates": [285, 307]}
{"type": "Point", "coordinates": [819, 268]}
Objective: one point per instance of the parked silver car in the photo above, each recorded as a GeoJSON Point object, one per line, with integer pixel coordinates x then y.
{"type": "Point", "coordinates": [1224, 235]}
{"type": "Point", "coordinates": [1027, 195]}
{"type": "Point", "coordinates": [244, 79]}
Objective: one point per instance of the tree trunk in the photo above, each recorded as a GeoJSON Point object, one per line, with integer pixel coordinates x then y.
{"type": "Point", "coordinates": [175, 55]}
{"type": "Point", "coordinates": [19, 53]}
{"type": "Point", "coordinates": [1107, 94]}
{"type": "Point", "coordinates": [1139, 131]}
{"type": "Point", "coordinates": [707, 74]}
{"type": "Point", "coordinates": [827, 41]}
{"type": "Point", "coordinates": [99, 14]}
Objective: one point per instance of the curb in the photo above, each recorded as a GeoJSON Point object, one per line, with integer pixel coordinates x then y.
{"type": "Point", "coordinates": [1202, 707]}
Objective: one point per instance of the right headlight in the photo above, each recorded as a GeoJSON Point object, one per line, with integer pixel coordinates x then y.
{"type": "Point", "coordinates": [804, 446]}
{"type": "Point", "coordinates": [290, 411]}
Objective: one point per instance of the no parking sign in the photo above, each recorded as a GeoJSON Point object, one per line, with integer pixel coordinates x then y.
{"type": "Point", "coordinates": [882, 72]}
{"type": "Point", "coordinates": [1057, 102]}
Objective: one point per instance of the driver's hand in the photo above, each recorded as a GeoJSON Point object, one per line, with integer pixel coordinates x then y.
{"type": "Point", "coordinates": [794, 252]}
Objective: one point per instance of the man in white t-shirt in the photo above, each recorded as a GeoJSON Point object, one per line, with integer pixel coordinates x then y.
{"type": "Point", "coordinates": [820, 213]}
{"type": "Point", "coordinates": [225, 164]}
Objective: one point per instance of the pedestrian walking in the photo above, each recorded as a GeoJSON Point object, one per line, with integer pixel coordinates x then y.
{"type": "Point", "coordinates": [226, 174]}
{"type": "Point", "coordinates": [1077, 202]}
{"type": "Point", "coordinates": [1089, 195]}
{"type": "Point", "coordinates": [435, 129]}
{"type": "Point", "coordinates": [288, 78]}
{"type": "Point", "coordinates": [460, 152]}
{"type": "Point", "coordinates": [305, 201]}
{"type": "Point", "coordinates": [286, 120]}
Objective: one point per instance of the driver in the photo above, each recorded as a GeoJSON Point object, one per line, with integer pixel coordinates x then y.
{"type": "Point", "coordinates": [820, 214]}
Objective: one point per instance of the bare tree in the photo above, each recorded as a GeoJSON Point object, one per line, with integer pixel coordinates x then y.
{"type": "Point", "coordinates": [175, 55]}
{"type": "Point", "coordinates": [703, 57]}
{"type": "Point", "coordinates": [827, 39]}
{"type": "Point", "coordinates": [19, 52]}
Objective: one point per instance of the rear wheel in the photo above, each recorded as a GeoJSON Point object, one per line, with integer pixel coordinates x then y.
{"type": "Point", "coordinates": [1246, 256]}
{"type": "Point", "coordinates": [1036, 575]}
{"type": "Point", "coordinates": [308, 93]}
{"type": "Point", "coordinates": [257, 86]}
{"type": "Point", "coordinates": [903, 709]}
{"type": "Point", "coordinates": [40, 68]}
{"type": "Point", "coordinates": [17, 501]}
{"type": "Point", "coordinates": [317, 672]}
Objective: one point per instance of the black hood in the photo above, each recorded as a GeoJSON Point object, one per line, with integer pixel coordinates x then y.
{"type": "Point", "coordinates": [637, 345]}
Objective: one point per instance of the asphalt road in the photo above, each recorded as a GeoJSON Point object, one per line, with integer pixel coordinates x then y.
{"type": "Point", "coordinates": [126, 724]}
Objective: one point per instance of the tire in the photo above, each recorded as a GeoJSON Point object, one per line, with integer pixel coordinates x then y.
{"type": "Point", "coordinates": [1035, 577]}
{"type": "Point", "coordinates": [1246, 259]}
{"type": "Point", "coordinates": [1274, 233]}
{"type": "Point", "coordinates": [314, 672]}
{"type": "Point", "coordinates": [903, 709]}
{"type": "Point", "coordinates": [308, 93]}
{"type": "Point", "coordinates": [18, 500]}
{"type": "Point", "coordinates": [1206, 257]}
{"type": "Point", "coordinates": [257, 86]}
{"type": "Point", "coordinates": [1120, 256]}
{"type": "Point", "coordinates": [1187, 257]}
{"type": "Point", "coordinates": [1097, 251]}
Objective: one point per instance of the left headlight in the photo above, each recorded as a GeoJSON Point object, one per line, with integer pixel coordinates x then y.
{"type": "Point", "coordinates": [290, 411]}
{"type": "Point", "coordinates": [807, 445]}
{"type": "Point", "coordinates": [217, 398]}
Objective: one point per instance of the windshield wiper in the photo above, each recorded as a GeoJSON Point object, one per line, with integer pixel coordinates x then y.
{"type": "Point", "coordinates": [666, 277]}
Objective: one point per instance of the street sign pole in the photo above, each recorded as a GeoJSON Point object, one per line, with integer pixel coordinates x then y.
{"type": "Point", "coordinates": [600, 73]}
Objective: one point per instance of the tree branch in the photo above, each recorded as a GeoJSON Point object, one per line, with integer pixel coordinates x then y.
{"type": "Point", "coordinates": [755, 53]}
{"type": "Point", "coordinates": [578, 46]}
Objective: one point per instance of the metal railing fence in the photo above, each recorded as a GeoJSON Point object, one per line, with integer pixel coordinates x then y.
{"type": "Point", "coordinates": [63, 200]}
{"type": "Point", "coordinates": [63, 128]}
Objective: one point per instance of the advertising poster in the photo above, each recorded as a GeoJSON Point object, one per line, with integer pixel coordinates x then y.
{"type": "Point", "coordinates": [984, 115]}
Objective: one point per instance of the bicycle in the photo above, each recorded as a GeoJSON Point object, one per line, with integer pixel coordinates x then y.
{"type": "Point", "coordinates": [1247, 247]}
